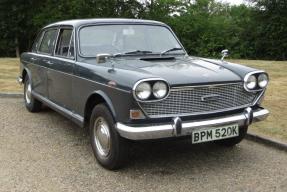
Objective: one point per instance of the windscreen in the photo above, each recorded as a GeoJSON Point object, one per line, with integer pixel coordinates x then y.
{"type": "Point", "coordinates": [113, 39]}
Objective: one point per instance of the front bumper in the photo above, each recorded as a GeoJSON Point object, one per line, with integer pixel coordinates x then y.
{"type": "Point", "coordinates": [178, 128]}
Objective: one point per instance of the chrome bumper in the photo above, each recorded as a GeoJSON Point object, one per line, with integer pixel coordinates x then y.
{"type": "Point", "coordinates": [20, 80]}
{"type": "Point", "coordinates": [178, 128]}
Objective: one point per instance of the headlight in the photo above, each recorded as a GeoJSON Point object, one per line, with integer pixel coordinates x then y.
{"type": "Point", "coordinates": [251, 82]}
{"type": "Point", "coordinates": [262, 80]}
{"type": "Point", "coordinates": [143, 91]}
{"type": "Point", "coordinates": [159, 90]}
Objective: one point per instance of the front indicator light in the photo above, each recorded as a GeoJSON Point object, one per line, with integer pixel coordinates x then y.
{"type": "Point", "coordinates": [136, 114]}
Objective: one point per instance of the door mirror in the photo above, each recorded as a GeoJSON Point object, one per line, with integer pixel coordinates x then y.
{"type": "Point", "coordinates": [102, 57]}
{"type": "Point", "coordinates": [224, 53]}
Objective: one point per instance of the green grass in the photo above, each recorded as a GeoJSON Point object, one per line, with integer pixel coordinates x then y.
{"type": "Point", "coordinates": [275, 99]}
{"type": "Point", "coordinates": [9, 71]}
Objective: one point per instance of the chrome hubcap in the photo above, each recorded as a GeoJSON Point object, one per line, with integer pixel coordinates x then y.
{"type": "Point", "coordinates": [102, 136]}
{"type": "Point", "coordinates": [28, 93]}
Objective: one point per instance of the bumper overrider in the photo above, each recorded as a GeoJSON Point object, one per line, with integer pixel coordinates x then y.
{"type": "Point", "coordinates": [179, 128]}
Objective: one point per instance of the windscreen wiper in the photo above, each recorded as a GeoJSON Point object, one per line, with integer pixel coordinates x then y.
{"type": "Point", "coordinates": [170, 50]}
{"type": "Point", "coordinates": [132, 52]}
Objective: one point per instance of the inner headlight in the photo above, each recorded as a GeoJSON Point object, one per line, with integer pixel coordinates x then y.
{"type": "Point", "coordinates": [262, 80]}
{"type": "Point", "coordinates": [159, 90]}
{"type": "Point", "coordinates": [143, 91]}
{"type": "Point", "coordinates": [251, 82]}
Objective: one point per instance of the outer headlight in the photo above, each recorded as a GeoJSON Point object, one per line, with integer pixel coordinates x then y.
{"type": "Point", "coordinates": [251, 82]}
{"type": "Point", "coordinates": [262, 80]}
{"type": "Point", "coordinates": [143, 91]}
{"type": "Point", "coordinates": [159, 90]}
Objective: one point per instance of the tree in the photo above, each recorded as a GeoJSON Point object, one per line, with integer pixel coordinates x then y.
{"type": "Point", "coordinates": [271, 28]}
{"type": "Point", "coordinates": [16, 25]}
{"type": "Point", "coordinates": [205, 27]}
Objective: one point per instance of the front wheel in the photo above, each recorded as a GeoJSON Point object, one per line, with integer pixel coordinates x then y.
{"type": "Point", "coordinates": [235, 140]}
{"type": "Point", "coordinates": [31, 103]}
{"type": "Point", "coordinates": [109, 148]}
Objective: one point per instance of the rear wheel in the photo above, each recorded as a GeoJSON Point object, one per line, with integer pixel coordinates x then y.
{"type": "Point", "coordinates": [32, 104]}
{"type": "Point", "coordinates": [235, 140]}
{"type": "Point", "coordinates": [109, 148]}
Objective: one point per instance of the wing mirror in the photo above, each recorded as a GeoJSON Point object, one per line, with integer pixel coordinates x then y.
{"type": "Point", "coordinates": [224, 53]}
{"type": "Point", "coordinates": [102, 57]}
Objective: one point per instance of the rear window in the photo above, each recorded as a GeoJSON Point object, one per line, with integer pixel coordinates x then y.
{"type": "Point", "coordinates": [65, 45]}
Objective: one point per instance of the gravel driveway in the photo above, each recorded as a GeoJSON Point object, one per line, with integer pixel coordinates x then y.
{"type": "Point", "coordinates": [46, 152]}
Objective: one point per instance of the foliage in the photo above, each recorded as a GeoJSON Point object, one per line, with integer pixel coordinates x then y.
{"type": "Point", "coordinates": [205, 27]}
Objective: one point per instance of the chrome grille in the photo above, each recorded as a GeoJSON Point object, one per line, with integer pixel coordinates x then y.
{"type": "Point", "coordinates": [189, 100]}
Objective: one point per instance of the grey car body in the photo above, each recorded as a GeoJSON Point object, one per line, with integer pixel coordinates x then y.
{"type": "Point", "coordinates": [74, 85]}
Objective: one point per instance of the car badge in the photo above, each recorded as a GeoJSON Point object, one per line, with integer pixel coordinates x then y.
{"type": "Point", "coordinates": [211, 97]}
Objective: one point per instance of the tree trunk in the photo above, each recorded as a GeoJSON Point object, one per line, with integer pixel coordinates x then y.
{"type": "Point", "coordinates": [17, 47]}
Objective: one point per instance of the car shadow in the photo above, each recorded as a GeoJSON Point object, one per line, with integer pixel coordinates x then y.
{"type": "Point", "coordinates": [169, 156]}
{"type": "Point", "coordinates": [160, 157]}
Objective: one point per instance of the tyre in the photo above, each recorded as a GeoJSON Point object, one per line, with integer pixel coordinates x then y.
{"type": "Point", "coordinates": [109, 148]}
{"type": "Point", "coordinates": [235, 140]}
{"type": "Point", "coordinates": [32, 104]}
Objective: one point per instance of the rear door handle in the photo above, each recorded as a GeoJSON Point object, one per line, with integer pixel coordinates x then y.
{"type": "Point", "coordinates": [48, 62]}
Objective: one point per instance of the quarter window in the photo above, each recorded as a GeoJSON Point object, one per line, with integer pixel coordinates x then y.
{"type": "Point", "coordinates": [48, 41]}
{"type": "Point", "coordinates": [71, 49]}
{"type": "Point", "coordinates": [37, 42]}
{"type": "Point", "coordinates": [65, 45]}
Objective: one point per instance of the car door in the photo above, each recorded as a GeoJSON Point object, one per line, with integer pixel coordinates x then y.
{"type": "Point", "coordinates": [60, 71]}
{"type": "Point", "coordinates": [42, 49]}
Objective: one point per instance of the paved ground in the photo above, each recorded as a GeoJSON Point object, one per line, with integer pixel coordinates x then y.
{"type": "Point", "coordinates": [46, 152]}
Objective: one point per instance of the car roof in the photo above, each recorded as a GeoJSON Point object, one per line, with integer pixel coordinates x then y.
{"type": "Point", "coordinates": [79, 22]}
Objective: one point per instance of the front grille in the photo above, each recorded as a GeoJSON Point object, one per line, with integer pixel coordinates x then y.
{"type": "Point", "coordinates": [200, 100]}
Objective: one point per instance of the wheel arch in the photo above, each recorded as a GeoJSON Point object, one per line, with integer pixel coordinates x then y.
{"type": "Point", "coordinates": [94, 99]}
{"type": "Point", "coordinates": [25, 72]}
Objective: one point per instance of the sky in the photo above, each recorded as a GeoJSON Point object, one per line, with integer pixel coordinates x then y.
{"type": "Point", "coordinates": [233, 2]}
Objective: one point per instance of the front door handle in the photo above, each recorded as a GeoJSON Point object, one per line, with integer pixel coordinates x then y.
{"type": "Point", "coordinates": [48, 62]}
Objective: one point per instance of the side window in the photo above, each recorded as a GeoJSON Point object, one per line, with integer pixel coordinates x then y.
{"type": "Point", "coordinates": [48, 41]}
{"type": "Point", "coordinates": [64, 47]}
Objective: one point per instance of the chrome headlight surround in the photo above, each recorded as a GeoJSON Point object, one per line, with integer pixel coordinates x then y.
{"type": "Point", "coordinates": [159, 89]}
{"type": "Point", "coordinates": [255, 81]}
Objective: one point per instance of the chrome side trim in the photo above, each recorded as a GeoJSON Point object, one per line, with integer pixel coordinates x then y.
{"type": "Point", "coordinates": [79, 120]}
{"type": "Point", "coordinates": [168, 129]}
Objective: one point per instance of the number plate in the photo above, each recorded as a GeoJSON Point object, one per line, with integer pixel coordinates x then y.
{"type": "Point", "coordinates": [215, 133]}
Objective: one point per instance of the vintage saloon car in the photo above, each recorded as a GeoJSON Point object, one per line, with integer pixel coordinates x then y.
{"type": "Point", "coordinates": [128, 79]}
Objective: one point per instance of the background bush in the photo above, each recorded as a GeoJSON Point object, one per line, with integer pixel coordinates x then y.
{"type": "Point", "coordinates": [205, 27]}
